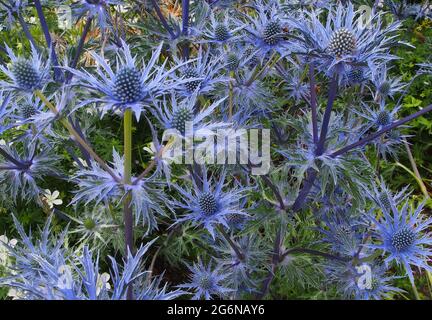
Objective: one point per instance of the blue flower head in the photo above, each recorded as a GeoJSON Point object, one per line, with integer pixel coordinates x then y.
{"type": "Point", "coordinates": [201, 74]}
{"type": "Point", "coordinates": [266, 32]}
{"type": "Point", "coordinates": [98, 9]}
{"type": "Point", "coordinates": [385, 86]}
{"type": "Point", "coordinates": [350, 280]}
{"type": "Point", "coordinates": [127, 86]}
{"type": "Point", "coordinates": [26, 75]}
{"type": "Point", "coordinates": [403, 235]}
{"type": "Point", "coordinates": [21, 171]}
{"type": "Point", "coordinates": [221, 30]}
{"type": "Point", "coordinates": [344, 39]}
{"type": "Point", "coordinates": [180, 115]}
{"type": "Point", "coordinates": [209, 205]}
{"type": "Point", "coordinates": [205, 282]}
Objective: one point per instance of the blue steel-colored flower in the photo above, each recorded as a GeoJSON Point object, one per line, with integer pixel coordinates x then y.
{"type": "Point", "coordinates": [380, 286]}
{"type": "Point", "coordinates": [222, 3]}
{"type": "Point", "coordinates": [26, 75]}
{"type": "Point", "coordinates": [209, 205]}
{"type": "Point", "coordinates": [240, 270]}
{"type": "Point", "coordinates": [180, 115]}
{"type": "Point", "coordinates": [45, 269]}
{"type": "Point", "coordinates": [344, 39]}
{"type": "Point", "coordinates": [127, 86]}
{"type": "Point", "coordinates": [294, 83]}
{"type": "Point", "coordinates": [206, 282]}
{"type": "Point", "coordinates": [96, 184]}
{"type": "Point", "coordinates": [403, 235]}
{"type": "Point", "coordinates": [377, 118]}
{"type": "Point", "coordinates": [221, 30]}
{"type": "Point", "coordinates": [201, 74]}
{"type": "Point", "coordinates": [266, 30]}
{"type": "Point", "coordinates": [383, 196]}
{"type": "Point", "coordinates": [21, 171]}
{"type": "Point", "coordinates": [98, 9]}
{"type": "Point", "coordinates": [348, 278]}
{"type": "Point", "coordinates": [11, 9]}
{"type": "Point", "coordinates": [343, 233]}
{"type": "Point", "coordinates": [26, 110]}
{"type": "Point", "coordinates": [390, 142]}
{"type": "Point", "coordinates": [385, 86]}
{"type": "Point", "coordinates": [356, 75]}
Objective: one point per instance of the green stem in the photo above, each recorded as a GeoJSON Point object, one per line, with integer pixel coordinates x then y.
{"type": "Point", "coordinates": [127, 176]}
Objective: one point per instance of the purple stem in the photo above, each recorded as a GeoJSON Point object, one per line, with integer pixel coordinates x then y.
{"type": "Point", "coordinates": [58, 74]}
{"type": "Point", "coordinates": [80, 46]}
{"type": "Point", "coordinates": [162, 19]}
{"type": "Point", "coordinates": [185, 27]}
{"type": "Point", "coordinates": [326, 120]}
{"type": "Point", "coordinates": [313, 101]}
{"type": "Point", "coordinates": [375, 135]}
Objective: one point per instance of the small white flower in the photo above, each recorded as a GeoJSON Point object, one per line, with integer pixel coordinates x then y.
{"type": "Point", "coordinates": [2, 142]}
{"type": "Point", "coordinates": [82, 163]}
{"type": "Point", "coordinates": [4, 253]}
{"type": "Point", "coordinates": [51, 198]}
{"type": "Point", "coordinates": [15, 294]}
{"type": "Point", "coordinates": [102, 282]}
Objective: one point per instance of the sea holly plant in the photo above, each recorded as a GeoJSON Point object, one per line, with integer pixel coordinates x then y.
{"type": "Point", "coordinates": [242, 146]}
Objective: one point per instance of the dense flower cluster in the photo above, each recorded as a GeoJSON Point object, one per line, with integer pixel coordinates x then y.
{"type": "Point", "coordinates": [116, 120]}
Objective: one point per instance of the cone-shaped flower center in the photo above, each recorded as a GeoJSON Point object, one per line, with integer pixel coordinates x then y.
{"type": "Point", "coordinates": [128, 87]}
{"type": "Point", "coordinates": [383, 118]}
{"type": "Point", "coordinates": [385, 201]}
{"type": "Point", "coordinates": [26, 76]}
{"type": "Point", "coordinates": [189, 73]}
{"type": "Point", "coordinates": [272, 32]}
{"type": "Point", "coordinates": [342, 42]}
{"type": "Point", "coordinates": [403, 239]}
{"type": "Point", "coordinates": [89, 224]}
{"type": "Point", "coordinates": [221, 32]}
{"type": "Point", "coordinates": [205, 282]}
{"type": "Point", "coordinates": [232, 62]}
{"type": "Point", "coordinates": [27, 111]}
{"type": "Point", "coordinates": [179, 119]}
{"type": "Point", "coordinates": [384, 88]}
{"type": "Point", "coordinates": [208, 204]}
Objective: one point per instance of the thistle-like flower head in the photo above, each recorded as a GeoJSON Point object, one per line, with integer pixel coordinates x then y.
{"type": "Point", "coordinates": [180, 115]}
{"type": "Point", "coordinates": [267, 30]}
{"type": "Point", "coordinates": [22, 171]}
{"type": "Point", "coordinates": [206, 282]}
{"type": "Point", "coordinates": [127, 86]}
{"type": "Point", "coordinates": [26, 74]}
{"type": "Point", "coordinates": [221, 30]}
{"type": "Point", "coordinates": [200, 75]}
{"type": "Point", "coordinates": [403, 234]}
{"type": "Point", "coordinates": [207, 204]}
{"type": "Point", "coordinates": [344, 39]}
